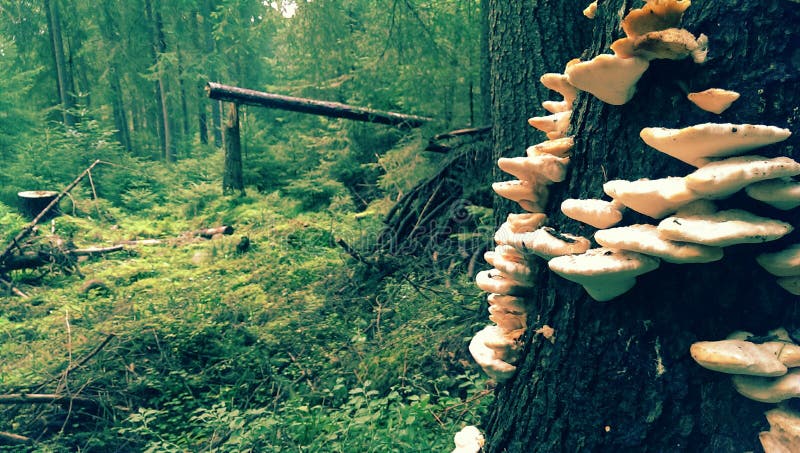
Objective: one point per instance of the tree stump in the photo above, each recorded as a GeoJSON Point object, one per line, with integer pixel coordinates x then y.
{"type": "Point", "coordinates": [32, 202]}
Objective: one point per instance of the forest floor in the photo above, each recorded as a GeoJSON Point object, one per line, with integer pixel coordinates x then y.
{"type": "Point", "coordinates": [201, 345]}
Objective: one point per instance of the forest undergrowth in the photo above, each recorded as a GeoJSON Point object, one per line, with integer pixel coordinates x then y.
{"type": "Point", "coordinates": [287, 343]}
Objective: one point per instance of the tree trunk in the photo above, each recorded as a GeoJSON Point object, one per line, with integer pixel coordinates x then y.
{"type": "Point", "coordinates": [485, 82]}
{"type": "Point", "coordinates": [62, 75]}
{"type": "Point", "coordinates": [232, 179]}
{"type": "Point", "coordinates": [619, 376]}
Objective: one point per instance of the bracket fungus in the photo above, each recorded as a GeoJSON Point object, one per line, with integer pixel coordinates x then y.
{"type": "Point", "coordinates": [714, 100]}
{"type": "Point", "coordinates": [737, 356]}
{"type": "Point", "coordinates": [784, 431]}
{"type": "Point", "coordinates": [653, 16]}
{"type": "Point", "coordinates": [526, 190]}
{"type": "Point", "coordinates": [591, 11]}
{"type": "Point", "coordinates": [781, 193]}
{"type": "Point", "coordinates": [468, 440]}
{"type": "Point", "coordinates": [769, 390]}
{"type": "Point", "coordinates": [510, 262]}
{"type": "Point", "coordinates": [560, 84]}
{"type": "Point", "coordinates": [723, 228]}
{"type": "Point", "coordinates": [541, 167]}
{"type": "Point", "coordinates": [597, 213]}
{"type": "Point", "coordinates": [524, 222]}
{"type": "Point", "coordinates": [725, 177]}
{"type": "Point", "coordinates": [554, 125]}
{"type": "Point", "coordinates": [496, 368]}
{"type": "Point", "coordinates": [610, 78]}
{"type": "Point", "coordinates": [510, 303]}
{"type": "Point", "coordinates": [547, 243]}
{"type": "Point", "coordinates": [654, 198]}
{"type": "Point", "coordinates": [645, 239]}
{"type": "Point", "coordinates": [494, 281]}
{"type": "Point", "coordinates": [785, 263]}
{"type": "Point", "coordinates": [669, 44]}
{"type": "Point", "coordinates": [559, 147]}
{"type": "Point", "coordinates": [696, 144]}
{"type": "Point", "coordinates": [604, 273]}
{"type": "Point", "coordinates": [790, 284]}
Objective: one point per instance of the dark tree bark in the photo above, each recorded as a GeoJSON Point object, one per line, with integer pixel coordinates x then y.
{"type": "Point", "coordinates": [63, 79]}
{"type": "Point", "coordinates": [232, 179]}
{"type": "Point", "coordinates": [619, 376]}
{"type": "Point", "coordinates": [485, 81]}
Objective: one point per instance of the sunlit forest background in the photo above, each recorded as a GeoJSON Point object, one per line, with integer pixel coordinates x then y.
{"type": "Point", "coordinates": [310, 327]}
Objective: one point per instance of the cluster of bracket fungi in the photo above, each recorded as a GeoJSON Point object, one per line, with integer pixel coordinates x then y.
{"type": "Point", "coordinates": [689, 230]}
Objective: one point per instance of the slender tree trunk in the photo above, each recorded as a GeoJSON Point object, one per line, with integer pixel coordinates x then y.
{"type": "Point", "coordinates": [232, 179]}
{"type": "Point", "coordinates": [57, 46]}
{"type": "Point", "coordinates": [120, 115]}
{"type": "Point", "coordinates": [485, 81]}
{"type": "Point", "coordinates": [182, 83]}
{"type": "Point", "coordinates": [618, 376]}
{"type": "Point", "coordinates": [216, 107]}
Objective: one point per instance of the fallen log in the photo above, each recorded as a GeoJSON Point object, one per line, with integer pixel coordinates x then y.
{"type": "Point", "coordinates": [238, 95]}
{"type": "Point", "coordinates": [94, 251]}
{"type": "Point", "coordinates": [46, 398]}
{"type": "Point", "coordinates": [209, 233]}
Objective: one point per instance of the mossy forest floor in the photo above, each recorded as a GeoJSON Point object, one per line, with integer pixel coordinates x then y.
{"type": "Point", "coordinates": [291, 345]}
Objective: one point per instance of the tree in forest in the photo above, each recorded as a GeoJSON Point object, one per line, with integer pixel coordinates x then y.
{"type": "Point", "coordinates": [617, 375]}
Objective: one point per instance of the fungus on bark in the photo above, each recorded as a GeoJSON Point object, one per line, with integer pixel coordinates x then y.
{"type": "Point", "coordinates": [654, 198]}
{"type": "Point", "coordinates": [696, 144]}
{"type": "Point", "coordinates": [541, 167]}
{"type": "Point", "coordinates": [594, 212]}
{"type": "Point", "coordinates": [784, 431]}
{"type": "Point", "coordinates": [604, 273]}
{"type": "Point", "coordinates": [769, 390]}
{"type": "Point", "coordinates": [559, 147]}
{"type": "Point", "coordinates": [646, 239]}
{"type": "Point", "coordinates": [723, 228]}
{"type": "Point", "coordinates": [784, 263]}
{"type": "Point", "coordinates": [714, 100]}
{"type": "Point", "coordinates": [610, 78]}
{"type": "Point", "coordinates": [725, 177]}
{"type": "Point", "coordinates": [781, 193]}
{"type": "Point", "coordinates": [468, 440]}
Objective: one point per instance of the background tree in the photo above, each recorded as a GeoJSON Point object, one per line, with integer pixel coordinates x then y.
{"type": "Point", "coordinates": [619, 376]}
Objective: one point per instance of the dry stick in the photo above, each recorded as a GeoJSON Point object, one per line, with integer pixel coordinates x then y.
{"type": "Point", "coordinates": [29, 227]}
{"type": "Point", "coordinates": [46, 398]}
{"type": "Point", "coordinates": [12, 438]}
{"type": "Point", "coordinates": [13, 288]}
{"type": "Point", "coordinates": [81, 362]}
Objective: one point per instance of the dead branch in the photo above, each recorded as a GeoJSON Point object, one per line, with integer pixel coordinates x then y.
{"type": "Point", "coordinates": [16, 439]}
{"type": "Point", "coordinates": [94, 251]}
{"type": "Point", "coordinates": [46, 398]}
{"type": "Point", "coordinates": [13, 288]}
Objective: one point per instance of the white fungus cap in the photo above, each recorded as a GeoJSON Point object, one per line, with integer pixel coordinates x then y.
{"type": "Point", "coordinates": [784, 433]}
{"type": "Point", "coordinates": [783, 193]}
{"type": "Point", "coordinates": [696, 144]}
{"type": "Point", "coordinates": [510, 262]}
{"type": "Point", "coordinates": [560, 84]}
{"type": "Point", "coordinates": [516, 190]}
{"type": "Point", "coordinates": [785, 263]}
{"type": "Point", "coordinates": [655, 198]}
{"type": "Point", "coordinates": [653, 16]}
{"type": "Point", "coordinates": [594, 212]}
{"type": "Point", "coordinates": [737, 356]}
{"type": "Point", "coordinates": [510, 303]}
{"type": "Point", "coordinates": [723, 228]}
{"type": "Point", "coordinates": [485, 356]}
{"type": "Point", "coordinates": [546, 242]}
{"type": "Point", "coordinates": [608, 77]}
{"type": "Point", "coordinates": [767, 389]}
{"type": "Point", "coordinates": [546, 168]}
{"type": "Point", "coordinates": [557, 107]}
{"type": "Point", "coordinates": [559, 147]}
{"type": "Point", "coordinates": [557, 122]}
{"type": "Point", "coordinates": [645, 239]}
{"type": "Point", "coordinates": [507, 321]}
{"type": "Point", "coordinates": [604, 273]}
{"type": "Point", "coordinates": [468, 440]}
{"type": "Point", "coordinates": [591, 10]}
{"type": "Point", "coordinates": [725, 177]}
{"type": "Point", "coordinates": [671, 44]}
{"type": "Point", "coordinates": [714, 100]}
{"type": "Point", "coordinates": [494, 281]}
{"type": "Point", "coordinates": [790, 284]}
{"type": "Point", "coordinates": [520, 223]}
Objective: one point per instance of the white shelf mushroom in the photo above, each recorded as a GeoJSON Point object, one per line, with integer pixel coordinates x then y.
{"type": "Point", "coordinates": [546, 168]}
{"type": "Point", "coordinates": [714, 100]}
{"type": "Point", "coordinates": [597, 213]}
{"type": "Point", "coordinates": [559, 147]}
{"type": "Point", "coordinates": [604, 273]}
{"type": "Point", "coordinates": [783, 193]}
{"type": "Point", "coordinates": [723, 228]}
{"type": "Point", "coordinates": [468, 440]}
{"type": "Point", "coordinates": [737, 356]}
{"type": "Point", "coordinates": [696, 144]}
{"type": "Point", "coordinates": [785, 263]}
{"type": "Point", "coordinates": [485, 356]}
{"type": "Point", "coordinates": [645, 239]}
{"type": "Point", "coordinates": [725, 177]}
{"type": "Point", "coordinates": [769, 390]}
{"type": "Point", "coordinates": [654, 198]}
{"type": "Point", "coordinates": [784, 433]}
{"type": "Point", "coordinates": [608, 77]}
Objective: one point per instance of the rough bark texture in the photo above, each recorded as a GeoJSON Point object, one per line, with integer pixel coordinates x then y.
{"type": "Point", "coordinates": [619, 376]}
{"type": "Point", "coordinates": [526, 40]}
